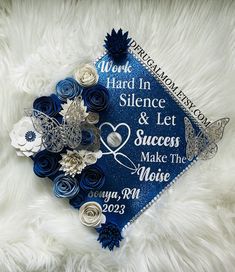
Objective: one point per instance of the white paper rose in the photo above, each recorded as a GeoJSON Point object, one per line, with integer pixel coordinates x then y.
{"type": "Point", "coordinates": [86, 76]}
{"type": "Point", "coordinates": [91, 214]}
{"type": "Point", "coordinates": [92, 118]}
{"type": "Point", "coordinates": [92, 157]}
{"type": "Point", "coordinates": [25, 138]}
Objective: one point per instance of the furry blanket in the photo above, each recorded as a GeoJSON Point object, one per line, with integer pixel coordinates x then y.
{"type": "Point", "coordinates": [192, 227]}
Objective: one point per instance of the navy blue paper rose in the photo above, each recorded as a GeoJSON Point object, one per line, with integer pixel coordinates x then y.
{"type": "Point", "coordinates": [50, 105]}
{"type": "Point", "coordinates": [92, 178]}
{"type": "Point", "coordinates": [67, 89]}
{"type": "Point", "coordinates": [77, 201]}
{"type": "Point", "coordinates": [96, 98]}
{"type": "Point", "coordinates": [46, 163]}
{"type": "Point", "coordinates": [87, 137]}
{"type": "Point", "coordinates": [65, 186]}
{"type": "Point", "coordinates": [109, 235]}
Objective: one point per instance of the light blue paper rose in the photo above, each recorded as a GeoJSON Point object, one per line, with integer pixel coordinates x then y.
{"type": "Point", "coordinates": [67, 89]}
{"type": "Point", "coordinates": [65, 186]}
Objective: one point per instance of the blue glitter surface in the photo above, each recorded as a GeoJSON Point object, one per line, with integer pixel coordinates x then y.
{"type": "Point", "coordinates": [118, 176]}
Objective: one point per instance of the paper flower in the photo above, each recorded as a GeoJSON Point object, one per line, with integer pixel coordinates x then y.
{"type": "Point", "coordinates": [50, 105]}
{"type": "Point", "coordinates": [81, 113]}
{"type": "Point", "coordinates": [65, 107]}
{"type": "Point", "coordinates": [25, 138]}
{"type": "Point", "coordinates": [67, 89]}
{"type": "Point", "coordinates": [87, 137]}
{"type": "Point", "coordinates": [92, 178]}
{"type": "Point", "coordinates": [91, 157]}
{"type": "Point", "coordinates": [92, 118]}
{"type": "Point", "coordinates": [91, 214]}
{"type": "Point", "coordinates": [96, 98]}
{"type": "Point", "coordinates": [90, 137]}
{"type": "Point", "coordinates": [65, 186]}
{"type": "Point", "coordinates": [46, 163]}
{"type": "Point", "coordinates": [109, 235]}
{"type": "Point", "coordinates": [72, 163]}
{"type": "Point", "coordinates": [77, 201]}
{"type": "Point", "coordinates": [117, 45]}
{"type": "Point", "coordinates": [87, 75]}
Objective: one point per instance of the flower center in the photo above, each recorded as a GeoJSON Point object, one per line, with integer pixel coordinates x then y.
{"type": "Point", "coordinates": [86, 76]}
{"type": "Point", "coordinates": [30, 136]}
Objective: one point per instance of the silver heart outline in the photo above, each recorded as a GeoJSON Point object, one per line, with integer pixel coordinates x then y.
{"type": "Point", "coordinates": [111, 151]}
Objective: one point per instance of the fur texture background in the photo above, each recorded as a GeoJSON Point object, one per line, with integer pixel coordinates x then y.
{"type": "Point", "coordinates": [192, 227]}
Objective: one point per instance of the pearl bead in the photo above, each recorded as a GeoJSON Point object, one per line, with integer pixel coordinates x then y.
{"type": "Point", "coordinates": [114, 139]}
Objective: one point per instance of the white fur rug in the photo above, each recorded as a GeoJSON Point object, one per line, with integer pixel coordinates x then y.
{"type": "Point", "coordinates": [192, 228]}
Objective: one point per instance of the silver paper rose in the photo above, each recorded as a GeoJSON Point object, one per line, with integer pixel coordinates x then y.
{"type": "Point", "coordinates": [91, 214]}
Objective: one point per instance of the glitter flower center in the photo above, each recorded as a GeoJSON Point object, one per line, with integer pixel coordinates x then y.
{"type": "Point", "coordinates": [30, 136]}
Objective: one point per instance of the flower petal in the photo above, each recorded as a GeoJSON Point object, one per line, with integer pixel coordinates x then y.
{"type": "Point", "coordinates": [21, 140]}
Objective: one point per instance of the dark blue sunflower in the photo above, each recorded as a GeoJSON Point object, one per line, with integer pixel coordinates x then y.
{"type": "Point", "coordinates": [117, 45]}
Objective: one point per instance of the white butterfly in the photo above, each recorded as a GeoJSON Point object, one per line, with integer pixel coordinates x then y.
{"type": "Point", "coordinates": [204, 144]}
{"type": "Point", "coordinates": [56, 136]}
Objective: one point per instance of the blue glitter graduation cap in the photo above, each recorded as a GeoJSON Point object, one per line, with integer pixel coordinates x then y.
{"type": "Point", "coordinates": [115, 136]}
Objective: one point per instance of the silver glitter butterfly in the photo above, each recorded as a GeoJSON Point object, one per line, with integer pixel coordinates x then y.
{"type": "Point", "coordinates": [56, 136]}
{"type": "Point", "coordinates": [204, 144]}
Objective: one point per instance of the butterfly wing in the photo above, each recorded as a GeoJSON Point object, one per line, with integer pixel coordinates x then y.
{"type": "Point", "coordinates": [206, 148]}
{"type": "Point", "coordinates": [190, 138]}
{"type": "Point", "coordinates": [72, 134]}
{"type": "Point", "coordinates": [49, 128]}
{"type": "Point", "coordinates": [208, 152]}
{"type": "Point", "coordinates": [208, 139]}
{"type": "Point", "coordinates": [71, 123]}
{"type": "Point", "coordinates": [216, 130]}
{"type": "Point", "coordinates": [76, 112]}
